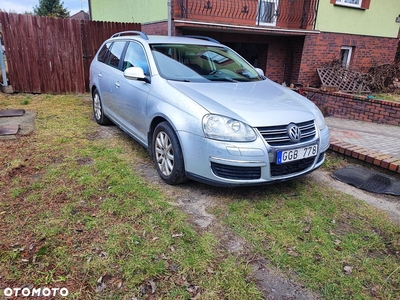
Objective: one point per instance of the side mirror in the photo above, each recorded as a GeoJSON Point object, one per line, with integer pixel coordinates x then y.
{"type": "Point", "coordinates": [260, 72]}
{"type": "Point", "coordinates": [135, 73]}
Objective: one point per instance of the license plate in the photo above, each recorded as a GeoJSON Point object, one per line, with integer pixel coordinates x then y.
{"type": "Point", "coordinates": [296, 154]}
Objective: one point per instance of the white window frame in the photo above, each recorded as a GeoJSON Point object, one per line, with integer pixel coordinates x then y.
{"type": "Point", "coordinates": [347, 59]}
{"type": "Point", "coordinates": [351, 3]}
{"type": "Point", "coordinates": [260, 2]}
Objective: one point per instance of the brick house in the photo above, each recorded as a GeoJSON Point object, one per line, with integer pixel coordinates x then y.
{"type": "Point", "coordinates": [81, 15]}
{"type": "Point", "coordinates": [288, 39]}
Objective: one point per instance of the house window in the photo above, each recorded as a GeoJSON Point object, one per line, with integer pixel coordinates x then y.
{"type": "Point", "coordinates": [267, 12]}
{"type": "Point", "coordinates": [363, 4]}
{"type": "Point", "coordinates": [355, 3]}
{"type": "Point", "coordinates": [345, 56]}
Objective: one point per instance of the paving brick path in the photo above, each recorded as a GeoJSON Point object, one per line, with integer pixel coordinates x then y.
{"type": "Point", "coordinates": [378, 144]}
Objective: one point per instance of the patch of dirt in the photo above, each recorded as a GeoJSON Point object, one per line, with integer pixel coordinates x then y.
{"type": "Point", "coordinates": [196, 199]}
{"type": "Point", "coordinates": [104, 132]}
{"type": "Point", "coordinates": [389, 204]}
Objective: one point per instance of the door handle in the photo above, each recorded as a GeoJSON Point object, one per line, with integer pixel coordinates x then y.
{"type": "Point", "coordinates": [99, 75]}
{"type": "Point", "coordinates": [117, 85]}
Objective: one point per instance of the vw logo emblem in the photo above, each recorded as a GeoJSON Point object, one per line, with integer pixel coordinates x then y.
{"type": "Point", "coordinates": [294, 133]}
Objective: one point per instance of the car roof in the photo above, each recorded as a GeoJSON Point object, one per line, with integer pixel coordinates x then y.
{"type": "Point", "coordinates": [160, 39]}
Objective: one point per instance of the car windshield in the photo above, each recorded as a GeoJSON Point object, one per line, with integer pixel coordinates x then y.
{"type": "Point", "coordinates": [196, 63]}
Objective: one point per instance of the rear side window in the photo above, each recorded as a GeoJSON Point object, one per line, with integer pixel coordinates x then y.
{"type": "Point", "coordinates": [111, 53]}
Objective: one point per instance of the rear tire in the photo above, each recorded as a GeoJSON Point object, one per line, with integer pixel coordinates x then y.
{"type": "Point", "coordinates": [98, 112]}
{"type": "Point", "coordinates": [167, 154]}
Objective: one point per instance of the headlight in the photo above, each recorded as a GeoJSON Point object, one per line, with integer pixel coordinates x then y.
{"type": "Point", "coordinates": [320, 119]}
{"type": "Point", "coordinates": [226, 129]}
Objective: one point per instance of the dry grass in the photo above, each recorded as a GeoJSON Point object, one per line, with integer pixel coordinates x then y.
{"type": "Point", "coordinates": [388, 96]}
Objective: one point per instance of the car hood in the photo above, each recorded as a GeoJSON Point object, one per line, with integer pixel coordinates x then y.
{"type": "Point", "coordinates": [256, 103]}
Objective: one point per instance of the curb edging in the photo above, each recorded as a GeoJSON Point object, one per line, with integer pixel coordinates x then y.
{"type": "Point", "coordinates": [378, 159]}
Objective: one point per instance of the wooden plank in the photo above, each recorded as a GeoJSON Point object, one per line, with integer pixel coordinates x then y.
{"type": "Point", "coordinates": [36, 40]}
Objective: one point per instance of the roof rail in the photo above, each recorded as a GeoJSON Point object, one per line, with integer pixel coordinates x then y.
{"type": "Point", "coordinates": [133, 32]}
{"type": "Point", "coordinates": [200, 37]}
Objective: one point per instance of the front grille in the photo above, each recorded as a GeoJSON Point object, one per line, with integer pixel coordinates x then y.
{"type": "Point", "coordinates": [235, 172]}
{"type": "Point", "coordinates": [278, 135]}
{"type": "Point", "coordinates": [292, 167]}
{"type": "Point", "coordinates": [295, 166]}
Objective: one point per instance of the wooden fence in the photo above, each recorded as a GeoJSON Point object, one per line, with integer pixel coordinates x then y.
{"type": "Point", "coordinates": [51, 55]}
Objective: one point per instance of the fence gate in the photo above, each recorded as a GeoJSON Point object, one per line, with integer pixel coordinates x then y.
{"type": "Point", "coordinates": [51, 55]}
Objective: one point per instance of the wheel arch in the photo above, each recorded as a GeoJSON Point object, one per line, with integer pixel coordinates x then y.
{"type": "Point", "coordinates": [179, 120]}
{"type": "Point", "coordinates": [153, 124]}
{"type": "Point", "coordinates": [92, 89]}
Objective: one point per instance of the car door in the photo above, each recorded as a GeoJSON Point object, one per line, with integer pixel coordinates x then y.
{"type": "Point", "coordinates": [109, 75]}
{"type": "Point", "coordinates": [132, 94]}
{"type": "Point", "coordinates": [101, 74]}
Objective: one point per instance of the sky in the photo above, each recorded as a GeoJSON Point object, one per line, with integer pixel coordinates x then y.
{"type": "Point", "coordinates": [22, 6]}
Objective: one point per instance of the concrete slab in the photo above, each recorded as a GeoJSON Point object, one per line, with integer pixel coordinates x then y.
{"type": "Point", "coordinates": [9, 129]}
{"type": "Point", "coordinates": [26, 124]}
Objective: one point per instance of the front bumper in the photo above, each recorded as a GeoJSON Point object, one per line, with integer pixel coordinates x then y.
{"type": "Point", "coordinates": [251, 163]}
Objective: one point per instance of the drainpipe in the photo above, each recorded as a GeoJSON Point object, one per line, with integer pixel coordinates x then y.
{"type": "Point", "coordinates": [3, 68]}
{"type": "Point", "coordinates": [169, 17]}
{"type": "Point", "coordinates": [90, 10]}
{"type": "Point", "coordinates": [316, 15]}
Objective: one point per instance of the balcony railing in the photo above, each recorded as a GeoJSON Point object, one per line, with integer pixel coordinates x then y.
{"type": "Point", "coordinates": [293, 14]}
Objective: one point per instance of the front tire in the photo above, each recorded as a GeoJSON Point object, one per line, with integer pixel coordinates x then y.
{"type": "Point", "coordinates": [98, 112]}
{"type": "Point", "coordinates": [167, 154]}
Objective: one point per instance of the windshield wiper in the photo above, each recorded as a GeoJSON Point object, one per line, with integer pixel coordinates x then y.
{"type": "Point", "coordinates": [216, 76]}
{"type": "Point", "coordinates": [223, 79]}
{"type": "Point", "coordinates": [181, 80]}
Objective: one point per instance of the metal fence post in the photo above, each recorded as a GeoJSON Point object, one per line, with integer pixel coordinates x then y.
{"type": "Point", "coordinates": [3, 68]}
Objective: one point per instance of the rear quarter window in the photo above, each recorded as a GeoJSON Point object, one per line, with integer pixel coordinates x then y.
{"type": "Point", "coordinates": [104, 53]}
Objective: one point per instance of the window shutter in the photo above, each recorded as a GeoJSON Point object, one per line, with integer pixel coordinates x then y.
{"type": "Point", "coordinates": [365, 4]}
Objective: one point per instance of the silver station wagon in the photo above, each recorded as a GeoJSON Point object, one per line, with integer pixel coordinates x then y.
{"type": "Point", "coordinates": [203, 112]}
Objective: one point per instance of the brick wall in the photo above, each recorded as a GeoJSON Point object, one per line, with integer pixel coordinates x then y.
{"type": "Point", "coordinates": [361, 108]}
{"type": "Point", "coordinates": [293, 59]}
{"type": "Point", "coordinates": [276, 59]}
{"type": "Point", "coordinates": [325, 47]}
{"type": "Point", "coordinates": [157, 28]}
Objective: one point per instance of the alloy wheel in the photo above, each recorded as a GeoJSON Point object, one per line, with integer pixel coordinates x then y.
{"type": "Point", "coordinates": [164, 152]}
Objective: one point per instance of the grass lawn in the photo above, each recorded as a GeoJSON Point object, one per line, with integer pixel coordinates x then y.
{"type": "Point", "coordinates": [74, 213]}
{"type": "Point", "coordinates": [388, 96]}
